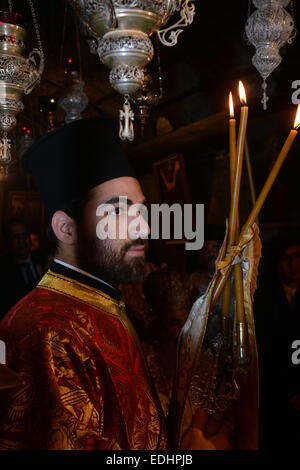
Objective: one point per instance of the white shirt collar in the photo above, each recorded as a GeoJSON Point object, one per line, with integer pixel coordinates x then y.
{"type": "Point", "coordinates": [67, 265]}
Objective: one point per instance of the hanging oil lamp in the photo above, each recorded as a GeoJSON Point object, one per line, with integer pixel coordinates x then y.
{"type": "Point", "coordinates": [144, 101]}
{"type": "Point", "coordinates": [18, 74]}
{"type": "Point", "coordinates": [119, 30]}
{"type": "Point", "coordinates": [269, 28]}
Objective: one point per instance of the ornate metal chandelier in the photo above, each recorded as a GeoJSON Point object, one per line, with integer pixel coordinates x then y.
{"type": "Point", "coordinates": [119, 30]}
{"type": "Point", "coordinates": [268, 29]}
{"type": "Point", "coordinates": [18, 74]}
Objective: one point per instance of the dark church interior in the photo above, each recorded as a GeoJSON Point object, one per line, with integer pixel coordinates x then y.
{"type": "Point", "coordinates": [181, 154]}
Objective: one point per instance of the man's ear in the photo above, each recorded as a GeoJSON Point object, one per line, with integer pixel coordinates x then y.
{"type": "Point", "coordinates": [64, 228]}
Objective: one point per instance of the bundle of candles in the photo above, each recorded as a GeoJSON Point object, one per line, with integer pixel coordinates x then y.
{"type": "Point", "coordinates": [234, 236]}
{"type": "Point", "coordinates": [208, 376]}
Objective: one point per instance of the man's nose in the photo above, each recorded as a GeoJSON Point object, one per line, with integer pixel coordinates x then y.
{"type": "Point", "coordinates": [143, 227]}
{"type": "Point", "coordinates": [146, 227]}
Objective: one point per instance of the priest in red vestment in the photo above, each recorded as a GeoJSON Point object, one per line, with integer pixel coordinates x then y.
{"type": "Point", "coordinates": [85, 384]}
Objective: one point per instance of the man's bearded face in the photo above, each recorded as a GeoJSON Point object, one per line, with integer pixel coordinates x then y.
{"type": "Point", "coordinates": [113, 260]}
{"type": "Point", "coordinates": [113, 263]}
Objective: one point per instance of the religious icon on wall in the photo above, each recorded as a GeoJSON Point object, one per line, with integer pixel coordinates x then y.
{"type": "Point", "coordinates": [172, 180]}
{"type": "Point", "coordinates": [28, 206]}
{"type": "Point", "coordinates": [173, 187]}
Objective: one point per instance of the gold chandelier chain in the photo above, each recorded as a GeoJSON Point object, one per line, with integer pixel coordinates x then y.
{"type": "Point", "coordinates": [36, 27]}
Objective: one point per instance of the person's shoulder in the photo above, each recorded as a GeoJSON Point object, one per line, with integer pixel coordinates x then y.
{"type": "Point", "coordinates": [40, 315]}
{"type": "Point", "coordinates": [39, 305]}
{"type": "Point", "coordinates": [37, 342]}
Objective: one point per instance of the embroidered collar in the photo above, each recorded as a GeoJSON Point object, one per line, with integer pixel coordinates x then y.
{"type": "Point", "coordinates": [67, 270]}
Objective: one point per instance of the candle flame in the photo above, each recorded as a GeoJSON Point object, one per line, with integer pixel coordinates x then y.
{"type": "Point", "coordinates": [297, 120]}
{"type": "Point", "coordinates": [242, 93]}
{"type": "Point", "coordinates": [231, 108]}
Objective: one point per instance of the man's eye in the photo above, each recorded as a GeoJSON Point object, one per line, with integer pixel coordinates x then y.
{"type": "Point", "coordinates": [118, 211]}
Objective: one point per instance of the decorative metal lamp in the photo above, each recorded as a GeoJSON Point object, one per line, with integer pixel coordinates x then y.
{"type": "Point", "coordinates": [268, 29]}
{"type": "Point", "coordinates": [18, 74]}
{"type": "Point", "coordinates": [75, 101]}
{"type": "Point", "coordinates": [145, 100]}
{"type": "Point", "coordinates": [119, 30]}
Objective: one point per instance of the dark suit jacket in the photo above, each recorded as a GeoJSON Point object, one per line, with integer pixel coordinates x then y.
{"type": "Point", "coordinates": [277, 327]}
{"type": "Point", "coordinates": [12, 284]}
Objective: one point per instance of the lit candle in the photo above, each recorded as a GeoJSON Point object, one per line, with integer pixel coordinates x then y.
{"type": "Point", "coordinates": [239, 163]}
{"type": "Point", "coordinates": [234, 216]}
{"type": "Point", "coordinates": [232, 140]}
{"type": "Point", "coordinates": [262, 197]}
{"type": "Point", "coordinates": [232, 162]}
{"type": "Point", "coordinates": [241, 327]}
{"type": "Point", "coordinates": [240, 320]}
{"type": "Point", "coordinates": [274, 172]}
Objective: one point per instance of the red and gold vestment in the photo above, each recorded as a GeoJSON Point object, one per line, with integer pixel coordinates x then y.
{"type": "Point", "coordinates": [85, 382]}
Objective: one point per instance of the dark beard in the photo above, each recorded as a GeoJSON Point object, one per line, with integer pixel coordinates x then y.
{"type": "Point", "coordinates": [98, 257]}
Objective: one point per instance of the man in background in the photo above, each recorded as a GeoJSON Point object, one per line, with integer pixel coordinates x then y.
{"type": "Point", "coordinates": [277, 322]}
{"type": "Point", "coordinates": [20, 270]}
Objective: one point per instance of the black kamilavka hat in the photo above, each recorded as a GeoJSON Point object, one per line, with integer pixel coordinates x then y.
{"type": "Point", "coordinates": [71, 160]}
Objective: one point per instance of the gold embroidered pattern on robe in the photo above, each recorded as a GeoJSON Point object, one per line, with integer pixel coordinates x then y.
{"type": "Point", "coordinates": [85, 382]}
